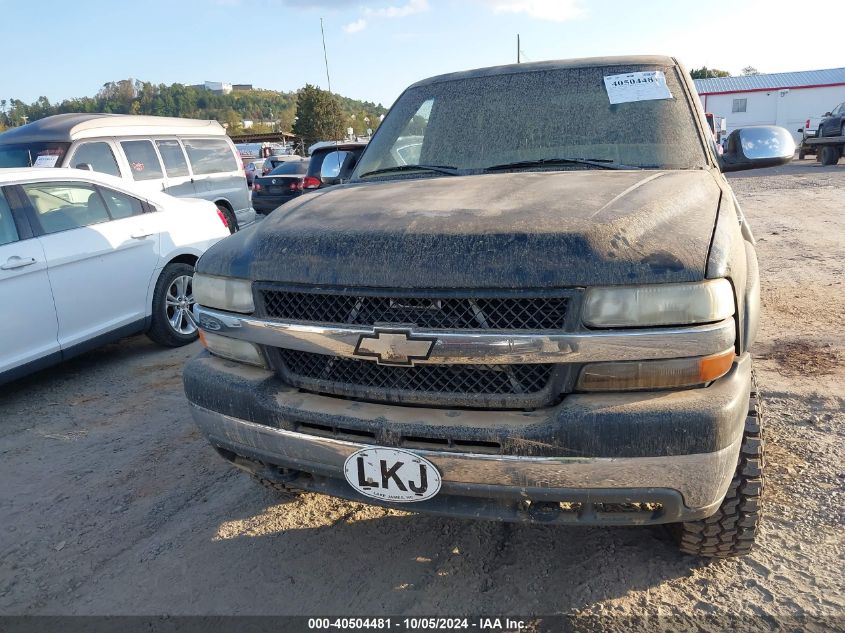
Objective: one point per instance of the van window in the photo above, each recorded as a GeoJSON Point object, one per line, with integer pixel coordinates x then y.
{"type": "Point", "coordinates": [8, 231]}
{"type": "Point", "coordinates": [142, 159]}
{"type": "Point", "coordinates": [210, 156]}
{"type": "Point", "coordinates": [61, 206]}
{"type": "Point", "coordinates": [173, 157]}
{"type": "Point", "coordinates": [28, 154]}
{"type": "Point", "coordinates": [98, 155]}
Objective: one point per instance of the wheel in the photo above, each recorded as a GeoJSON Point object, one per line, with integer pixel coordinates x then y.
{"type": "Point", "coordinates": [172, 321]}
{"type": "Point", "coordinates": [277, 486]}
{"type": "Point", "coordinates": [801, 154]}
{"type": "Point", "coordinates": [731, 531]}
{"type": "Point", "coordinates": [231, 220]}
{"type": "Point", "coordinates": [829, 154]}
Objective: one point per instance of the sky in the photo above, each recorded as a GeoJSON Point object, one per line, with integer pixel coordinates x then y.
{"type": "Point", "coordinates": [378, 47]}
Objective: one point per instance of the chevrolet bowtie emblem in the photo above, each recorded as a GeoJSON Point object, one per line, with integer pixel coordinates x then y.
{"type": "Point", "coordinates": [394, 347]}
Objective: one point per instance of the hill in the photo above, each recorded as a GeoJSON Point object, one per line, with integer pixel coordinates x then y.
{"type": "Point", "coordinates": [267, 108]}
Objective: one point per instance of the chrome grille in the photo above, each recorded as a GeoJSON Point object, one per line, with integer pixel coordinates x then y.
{"type": "Point", "coordinates": [448, 312]}
{"type": "Point", "coordinates": [511, 386]}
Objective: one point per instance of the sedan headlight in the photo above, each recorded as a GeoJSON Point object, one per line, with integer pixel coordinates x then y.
{"type": "Point", "coordinates": [658, 304]}
{"type": "Point", "coordinates": [223, 293]}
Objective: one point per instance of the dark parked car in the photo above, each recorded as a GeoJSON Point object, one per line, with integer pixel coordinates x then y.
{"type": "Point", "coordinates": [281, 185]}
{"type": "Point", "coordinates": [533, 301]}
{"type": "Point", "coordinates": [833, 122]}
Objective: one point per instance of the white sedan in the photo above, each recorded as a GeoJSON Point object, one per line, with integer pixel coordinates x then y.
{"type": "Point", "coordinates": [86, 259]}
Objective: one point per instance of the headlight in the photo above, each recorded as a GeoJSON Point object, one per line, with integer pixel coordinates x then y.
{"type": "Point", "coordinates": [223, 293]}
{"type": "Point", "coordinates": [658, 304]}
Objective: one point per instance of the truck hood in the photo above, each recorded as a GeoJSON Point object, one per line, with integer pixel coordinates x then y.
{"type": "Point", "coordinates": [513, 230]}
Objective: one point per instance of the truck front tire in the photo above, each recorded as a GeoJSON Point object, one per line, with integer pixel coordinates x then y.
{"type": "Point", "coordinates": [732, 530]}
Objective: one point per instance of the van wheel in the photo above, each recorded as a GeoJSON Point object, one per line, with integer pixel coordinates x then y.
{"type": "Point", "coordinates": [231, 220]}
{"type": "Point", "coordinates": [731, 531]}
{"type": "Point", "coordinates": [173, 299]}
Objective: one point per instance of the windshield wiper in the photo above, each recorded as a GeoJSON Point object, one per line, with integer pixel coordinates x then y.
{"type": "Point", "coordinates": [601, 163]}
{"type": "Point", "coordinates": [449, 170]}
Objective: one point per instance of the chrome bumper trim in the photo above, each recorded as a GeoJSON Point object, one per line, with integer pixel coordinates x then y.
{"type": "Point", "coordinates": [702, 479]}
{"type": "Point", "coordinates": [481, 347]}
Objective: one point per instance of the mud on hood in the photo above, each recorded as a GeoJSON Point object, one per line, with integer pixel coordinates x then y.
{"type": "Point", "coordinates": [513, 230]}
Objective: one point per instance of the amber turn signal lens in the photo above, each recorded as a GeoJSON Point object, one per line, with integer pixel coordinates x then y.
{"type": "Point", "coordinates": [715, 366]}
{"type": "Point", "coordinates": [655, 374]}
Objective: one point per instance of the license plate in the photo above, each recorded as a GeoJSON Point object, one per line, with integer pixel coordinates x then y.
{"type": "Point", "coordinates": [274, 190]}
{"type": "Point", "coordinates": [391, 474]}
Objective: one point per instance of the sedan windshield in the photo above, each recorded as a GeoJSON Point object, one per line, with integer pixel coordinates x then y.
{"type": "Point", "coordinates": [551, 118]}
{"type": "Point", "coordinates": [32, 154]}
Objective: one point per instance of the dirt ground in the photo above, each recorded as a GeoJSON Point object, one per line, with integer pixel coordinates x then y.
{"type": "Point", "coordinates": [112, 503]}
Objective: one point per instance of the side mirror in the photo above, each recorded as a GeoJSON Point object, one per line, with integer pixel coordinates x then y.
{"type": "Point", "coordinates": [758, 146]}
{"type": "Point", "coordinates": [333, 167]}
{"type": "Point", "coordinates": [85, 166]}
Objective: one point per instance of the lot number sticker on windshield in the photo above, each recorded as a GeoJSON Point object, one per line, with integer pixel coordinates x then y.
{"type": "Point", "coordinates": [46, 161]}
{"type": "Point", "coordinates": [643, 86]}
{"type": "Point", "coordinates": [392, 474]}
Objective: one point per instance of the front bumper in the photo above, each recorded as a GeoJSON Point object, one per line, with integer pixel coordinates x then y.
{"type": "Point", "coordinates": [668, 455]}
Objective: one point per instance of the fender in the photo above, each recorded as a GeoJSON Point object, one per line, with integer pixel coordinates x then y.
{"type": "Point", "coordinates": [733, 255]}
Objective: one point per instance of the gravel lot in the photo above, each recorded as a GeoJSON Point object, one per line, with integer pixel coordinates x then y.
{"type": "Point", "coordinates": [113, 504]}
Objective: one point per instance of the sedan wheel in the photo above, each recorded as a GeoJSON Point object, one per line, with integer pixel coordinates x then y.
{"type": "Point", "coordinates": [179, 303]}
{"type": "Point", "coordinates": [172, 322]}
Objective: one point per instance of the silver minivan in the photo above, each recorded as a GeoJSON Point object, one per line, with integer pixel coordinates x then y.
{"type": "Point", "coordinates": [182, 157]}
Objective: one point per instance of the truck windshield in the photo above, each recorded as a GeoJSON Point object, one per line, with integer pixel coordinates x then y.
{"type": "Point", "coordinates": [43, 154]}
{"type": "Point", "coordinates": [539, 116]}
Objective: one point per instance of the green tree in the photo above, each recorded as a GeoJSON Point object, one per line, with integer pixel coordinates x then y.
{"type": "Point", "coordinates": [750, 70]}
{"type": "Point", "coordinates": [708, 73]}
{"type": "Point", "coordinates": [319, 116]}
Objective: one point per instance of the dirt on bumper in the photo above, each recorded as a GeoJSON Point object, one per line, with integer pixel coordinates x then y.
{"type": "Point", "coordinates": [674, 451]}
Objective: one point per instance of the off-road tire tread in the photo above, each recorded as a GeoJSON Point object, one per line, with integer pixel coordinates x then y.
{"type": "Point", "coordinates": [277, 486]}
{"type": "Point", "coordinates": [732, 529]}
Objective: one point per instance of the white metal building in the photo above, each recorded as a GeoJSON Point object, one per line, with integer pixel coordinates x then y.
{"type": "Point", "coordinates": [785, 99]}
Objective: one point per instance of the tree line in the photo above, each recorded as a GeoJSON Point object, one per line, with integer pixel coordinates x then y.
{"type": "Point", "coordinates": [269, 110]}
{"type": "Point", "coordinates": [710, 73]}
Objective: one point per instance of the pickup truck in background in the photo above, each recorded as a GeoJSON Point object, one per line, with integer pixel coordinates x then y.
{"type": "Point", "coordinates": [810, 130]}
{"type": "Point", "coordinates": [544, 313]}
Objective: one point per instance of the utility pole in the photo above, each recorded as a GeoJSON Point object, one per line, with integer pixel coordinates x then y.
{"type": "Point", "coordinates": [517, 49]}
{"type": "Point", "coordinates": [325, 55]}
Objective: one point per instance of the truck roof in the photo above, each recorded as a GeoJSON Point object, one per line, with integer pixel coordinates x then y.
{"type": "Point", "coordinates": [72, 126]}
{"type": "Point", "coordinates": [584, 62]}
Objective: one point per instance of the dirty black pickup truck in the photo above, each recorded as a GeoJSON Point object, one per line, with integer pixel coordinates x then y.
{"type": "Point", "coordinates": [533, 301]}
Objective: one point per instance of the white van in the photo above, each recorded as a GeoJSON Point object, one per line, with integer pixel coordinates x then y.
{"type": "Point", "coordinates": [182, 157]}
